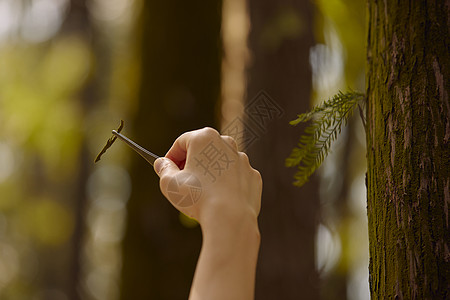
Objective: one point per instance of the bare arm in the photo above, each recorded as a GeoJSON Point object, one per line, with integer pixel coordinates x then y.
{"type": "Point", "coordinates": [227, 263]}
{"type": "Point", "coordinates": [227, 210]}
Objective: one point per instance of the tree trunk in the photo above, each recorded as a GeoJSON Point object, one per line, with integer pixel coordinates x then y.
{"type": "Point", "coordinates": [180, 87]}
{"type": "Point", "coordinates": [78, 22]}
{"type": "Point", "coordinates": [280, 40]}
{"type": "Point", "coordinates": [408, 132]}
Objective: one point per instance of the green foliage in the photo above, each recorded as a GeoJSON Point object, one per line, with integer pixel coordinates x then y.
{"type": "Point", "coordinates": [327, 120]}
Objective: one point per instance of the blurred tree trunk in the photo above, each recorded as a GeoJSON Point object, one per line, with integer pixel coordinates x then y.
{"type": "Point", "coordinates": [280, 40]}
{"type": "Point", "coordinates": [180, 88]}
{"type": "Point", "coordinates": [348, 25]}
{"type": "Point", "coordinates": [78, 22]}
{"type": "Point", "coordinates": [408, 132]}
{"type": "Point", "coordinates": [334, 284]}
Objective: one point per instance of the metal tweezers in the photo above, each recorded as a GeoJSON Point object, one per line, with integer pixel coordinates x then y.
{"type": "Point", "coordinates": [147, 155]}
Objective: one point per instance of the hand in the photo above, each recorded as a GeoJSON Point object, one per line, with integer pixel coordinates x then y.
{"type": "Point", "coordinates": [204, 176]}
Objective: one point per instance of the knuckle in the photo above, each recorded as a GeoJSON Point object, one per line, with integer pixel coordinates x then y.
{"type": "Point", "coordinates": [256, 173]}
{"type": "Point", "coordinates": [243, 156]}
{"type": "Point", "coordinates": [211, 132]}
{"type": "Point", "coordinates": [229, 139]}
{"type": "Point", "coordinates": [206, 134]}
{"type": "Point", "coordinates": [258, 176]}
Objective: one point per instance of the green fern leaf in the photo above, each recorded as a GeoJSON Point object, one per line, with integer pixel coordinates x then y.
{"type": "Point", "coordinates": [327, 120]}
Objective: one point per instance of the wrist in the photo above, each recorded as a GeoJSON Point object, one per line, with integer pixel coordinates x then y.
{"type": "Point", "coordinates": [224, 215]}
{"type": "Point", "coordinates": [239, 228]}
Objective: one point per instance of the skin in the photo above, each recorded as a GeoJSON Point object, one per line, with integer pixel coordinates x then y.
{"type": "Point", "coordinates": [227, 211]}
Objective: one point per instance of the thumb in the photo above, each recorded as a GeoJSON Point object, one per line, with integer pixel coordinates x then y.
{"type": "Point", "coordinates": [165, 167]}
{"type": "Point", "coordinates": [166, 170]}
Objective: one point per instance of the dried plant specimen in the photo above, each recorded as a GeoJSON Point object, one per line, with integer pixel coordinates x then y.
{"type": "Point", "coordinates": [110, 141]}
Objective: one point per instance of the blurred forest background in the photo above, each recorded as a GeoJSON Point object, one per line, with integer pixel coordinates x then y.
{"type": "Point", "coordinates": [71, 69]}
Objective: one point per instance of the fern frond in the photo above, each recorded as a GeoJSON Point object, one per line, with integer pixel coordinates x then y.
{"type": "Point", "coordinates": [327, 120]}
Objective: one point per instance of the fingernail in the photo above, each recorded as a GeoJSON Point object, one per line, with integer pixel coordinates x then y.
{"type": "Point", "coordinates": [158, 164]}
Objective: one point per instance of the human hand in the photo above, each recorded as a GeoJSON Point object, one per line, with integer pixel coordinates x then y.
{"type": "Point", "coordinates": [204, 176]}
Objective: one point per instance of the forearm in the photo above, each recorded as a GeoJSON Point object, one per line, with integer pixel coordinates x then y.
{"type": "Point", "coordinates": [227, 263]}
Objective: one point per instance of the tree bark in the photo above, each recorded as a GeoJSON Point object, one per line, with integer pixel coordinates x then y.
{"type": "Point", "coordinates": [408, 132]}
{"type": "Point", "coordinates": [180, 87]}
{"type": "Point", "coordinates": [280, 40]}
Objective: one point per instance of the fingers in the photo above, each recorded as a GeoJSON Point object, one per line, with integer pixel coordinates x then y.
{"type": "Point", "coordinates": [194, 143]}
{"type": "Point", "coordinates": [181, 188]}
{"type": "Point", "coordinates": [191, 168]}
{"type": "Point", "coordinates": [230, 141]}
{"type": "Point", "coordinates": [179, 151]}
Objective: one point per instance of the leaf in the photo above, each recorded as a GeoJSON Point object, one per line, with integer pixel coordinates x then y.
{"type": "Point", "coordinates": [326, 124]}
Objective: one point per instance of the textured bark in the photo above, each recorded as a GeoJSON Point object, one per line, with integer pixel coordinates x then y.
{"type": "Point", "coordinates": [180, 82]}
{"type": "Point", "coordinates": [408, 132]}
{"type": "Point", "coordinates": [289, 215]}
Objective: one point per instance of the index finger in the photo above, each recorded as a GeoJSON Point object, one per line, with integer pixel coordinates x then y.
{"type": "Point", "coordinates": [177, 153]}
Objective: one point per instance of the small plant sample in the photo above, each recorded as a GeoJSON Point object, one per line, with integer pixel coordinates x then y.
{"type": "Point", "coordinates": [109, 143]}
